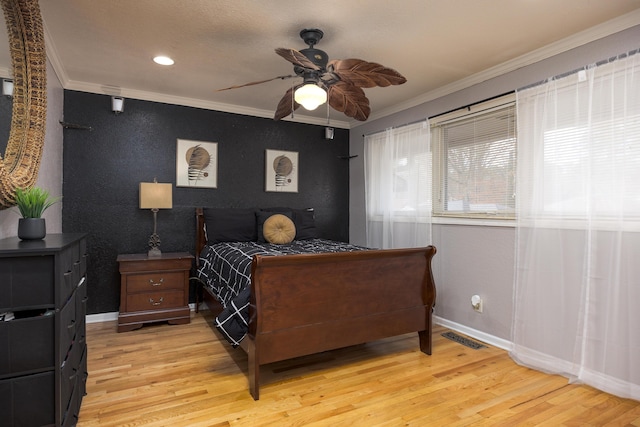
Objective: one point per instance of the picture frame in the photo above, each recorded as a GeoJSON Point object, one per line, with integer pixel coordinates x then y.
{"type": "Point", "coordinates": [281, 171]}
{"type": "Point", "coordinates": [196, 164]}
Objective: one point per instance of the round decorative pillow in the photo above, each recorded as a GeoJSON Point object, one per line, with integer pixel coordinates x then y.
{"type": "Point", "coordinates": [279, 229]}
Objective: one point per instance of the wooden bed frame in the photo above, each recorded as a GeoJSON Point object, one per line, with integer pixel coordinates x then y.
{"type": "Point", "coordinates": [327, 301]}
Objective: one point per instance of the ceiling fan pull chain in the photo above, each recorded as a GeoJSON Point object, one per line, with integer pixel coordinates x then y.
{"type": "Point", "coordinates": [293, 106]}
{"type": "Point", "coordinates": [327, 113]}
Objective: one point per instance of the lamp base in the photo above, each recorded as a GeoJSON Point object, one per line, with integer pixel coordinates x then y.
{"type": "Point", "coordinates": [154, 242]}
{"type": "Point", "coordinates": [154, 252]}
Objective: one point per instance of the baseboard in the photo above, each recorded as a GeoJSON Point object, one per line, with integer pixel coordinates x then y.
{"type": "Point", "coordinates": [102, 317]}
{"type": "Point", "coordinates": [470, 332]}
{"type": "Point", "coordinates": [474, 333]}
{"type": "Point", "coordinates": [113, 315]}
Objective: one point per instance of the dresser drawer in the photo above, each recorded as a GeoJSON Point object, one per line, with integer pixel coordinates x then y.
{"type": "Point", "coordinates": [71, 265]}
{"type": "Point", "coordinates": [43, 349]}
{"type": "Point", "coordinates": [72, 412]}
{"type": "Point", "coordinates": [81, 310]}
{"type": "Point", "coordinates": [71, 373]}
{"type": "Point", "coordinates": [150, 282]}
{"type": "Point", "coordinates": [155, 300]}
{"type": "Point", "coordinates": [26, 281]}
{"type": "Point", "coordinates": [28, 400]}
{"type": "Point", "coordinates": [26, 345]}
{"type": "Point", "coordinates": [67, 328]}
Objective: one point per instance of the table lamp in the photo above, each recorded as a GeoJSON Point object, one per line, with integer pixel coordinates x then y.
{"type": "Point", "coordinates": [155, 196]}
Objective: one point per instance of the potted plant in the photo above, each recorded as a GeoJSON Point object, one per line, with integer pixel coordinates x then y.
{"type": "Point", "coordinates": [32, 202]}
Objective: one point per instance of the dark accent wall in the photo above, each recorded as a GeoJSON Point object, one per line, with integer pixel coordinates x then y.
{"type": "Point", "coordinates": [103, 167]}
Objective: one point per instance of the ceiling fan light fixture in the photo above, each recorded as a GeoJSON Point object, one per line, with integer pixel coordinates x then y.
{"type": "Point", "coordinates": [310, 96]}
{"type": "Point", "coordinates": [163, 60]}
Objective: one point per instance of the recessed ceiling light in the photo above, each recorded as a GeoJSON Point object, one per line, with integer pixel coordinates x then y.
{"type": "Point", "coordinates": [163, 60]}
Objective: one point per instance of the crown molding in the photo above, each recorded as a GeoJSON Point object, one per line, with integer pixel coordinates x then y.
{"type": "Point", "coordinates": [53, 57]}
{"type": "Point", "coordinates": [194, 102]}
{"type": "Point", "coordinates": [67, 83]}
{"type": "Point", "coordinates": [613, 26]}
{"type": "Point", "coordinates": [597, 32]}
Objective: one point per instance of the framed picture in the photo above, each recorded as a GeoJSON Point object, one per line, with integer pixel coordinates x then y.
{"type": "Point", "coordinates": [196, 164]}
{"type": "Point", "coordinates": [281, 171]}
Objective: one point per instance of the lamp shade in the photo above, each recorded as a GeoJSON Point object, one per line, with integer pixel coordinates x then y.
{"type": "Point", "coordinates": [310, 96]}
{"type": "Point", "coordinates": [154, 195]}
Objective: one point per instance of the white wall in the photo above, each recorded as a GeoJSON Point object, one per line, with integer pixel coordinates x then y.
{"type": "Point", "coordinates": [50, 174]}
{"type": "Point", "coordinates": [475, 259]}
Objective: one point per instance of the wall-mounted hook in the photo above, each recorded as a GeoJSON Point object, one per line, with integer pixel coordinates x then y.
{"type": "Point", "coordinates": [74, 126]}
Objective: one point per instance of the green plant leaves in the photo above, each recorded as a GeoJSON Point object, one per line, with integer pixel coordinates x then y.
{"type": "Point", "coordinates": [32, 202]}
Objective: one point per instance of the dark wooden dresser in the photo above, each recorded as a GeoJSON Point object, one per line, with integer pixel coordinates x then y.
{"type": "Point", "coordinates": [43, 351]}
{"type": "Point", "coordinates": [154, 289]}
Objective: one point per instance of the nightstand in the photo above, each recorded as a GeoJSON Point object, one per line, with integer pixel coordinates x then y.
{"type": "Point", "coordinates": [153, 289]}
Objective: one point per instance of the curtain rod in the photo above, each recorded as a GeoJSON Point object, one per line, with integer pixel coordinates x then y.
{"type": "Point", "coordinates": [577, 70]}
{"type": "Point", "coordinates": [468, 106]}
{"type": "Point", "coordinates": [395, 127]}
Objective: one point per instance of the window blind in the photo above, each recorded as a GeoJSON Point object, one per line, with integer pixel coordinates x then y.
{"type": "Point", "coordinates": [477, 155]}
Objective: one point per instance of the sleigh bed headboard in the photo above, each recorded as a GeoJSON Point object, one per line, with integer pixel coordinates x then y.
{"type": "Point", "coordinates": [245, 224]}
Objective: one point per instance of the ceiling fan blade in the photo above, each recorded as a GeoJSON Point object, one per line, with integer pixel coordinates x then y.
{"type": "Point", "coordinates": [257, 83]}
{"type": "Point", "coordinates": [365, 74]}
{"type": "Point", "coordinates": [286, 105]}
{"type": "Point", "coordinates": [296, 58]}
{"type": "Point", "coordinates": [350, 100]}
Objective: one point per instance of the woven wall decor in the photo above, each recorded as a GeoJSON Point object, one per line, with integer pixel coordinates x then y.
{"type": "Point", "coordinates": [21, 161]}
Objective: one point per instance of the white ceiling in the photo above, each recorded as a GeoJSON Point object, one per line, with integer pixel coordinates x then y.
{"type": "Point", "coordinates": [438, 45]}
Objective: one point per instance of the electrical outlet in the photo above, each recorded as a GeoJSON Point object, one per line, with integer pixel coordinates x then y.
{"type": "Point", "coordinates": [476, 303]}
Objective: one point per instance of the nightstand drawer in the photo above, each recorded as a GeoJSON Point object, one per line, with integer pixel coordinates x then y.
{"type": "Point", "coordinates": [155, 281]}
{"type": "Point", "coordinates": [155, 300]}
{"type": "Point", "coordinates": [153, 289]}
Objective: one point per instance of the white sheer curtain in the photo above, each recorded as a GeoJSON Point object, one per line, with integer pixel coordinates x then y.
{"type": "Point", "coordinates": [577, 279]}
{"type": "Point", "coordinates": [398, 187]}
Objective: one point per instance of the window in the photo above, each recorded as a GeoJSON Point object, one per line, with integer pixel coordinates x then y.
{"type": "Point", "coordinates": [475, 153]}
{"type": "Point", "coordinates": [580, 146]}
{"type": "Point", "coordinates": [399, 171]}
{"type": "Point", "coordinates": [398, 187]}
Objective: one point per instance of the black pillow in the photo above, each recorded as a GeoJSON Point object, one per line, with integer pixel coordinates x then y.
{"type": "Point", "coordinates": [276, 210]}
{"type": "Point", "coordinates": [230, 225]}
{"type": "Point", "coordinates": [304, 220]}
{"type": "Point", "coordinates": [262, 215]}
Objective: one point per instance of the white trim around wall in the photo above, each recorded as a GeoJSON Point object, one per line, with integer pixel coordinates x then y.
{"type": "Point", "coordinates": [113, 315]}
{"type": "Point", "coordinates": [470, 332]}
{"type": "Point", "coordinates": [474, 333]}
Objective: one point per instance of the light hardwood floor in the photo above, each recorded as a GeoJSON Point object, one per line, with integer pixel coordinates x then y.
{"type": "Point", "coordinates": [184, 375]}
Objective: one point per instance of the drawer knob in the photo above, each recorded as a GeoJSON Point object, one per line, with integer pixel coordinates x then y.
{"type": "Point", "coordinates": [153, 302]}
{"type": "Point", "coordinates": [158, 283]}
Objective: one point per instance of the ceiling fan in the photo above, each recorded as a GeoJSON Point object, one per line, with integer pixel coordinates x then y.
{"type": "Point", "coordinates": [339, 81]}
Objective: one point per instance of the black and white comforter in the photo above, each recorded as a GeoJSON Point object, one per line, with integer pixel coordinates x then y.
{"type": "Point", "coordinates": [225, 269]}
